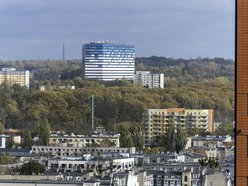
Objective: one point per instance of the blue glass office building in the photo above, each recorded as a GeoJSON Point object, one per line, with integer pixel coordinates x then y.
{"type": "Point", "coordinates": [108, 61]}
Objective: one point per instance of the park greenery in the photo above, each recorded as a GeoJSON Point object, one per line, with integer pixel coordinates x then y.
{"type": "Point", "coordinates": [32, 168]}
{"type": "Point", "coordinates": [200, 83]}
{"type": "Point", "coordinates": [5, 159]}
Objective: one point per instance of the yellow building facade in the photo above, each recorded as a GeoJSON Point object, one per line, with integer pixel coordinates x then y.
{"type": "Point", "coordinates": [155, 121]}
{"type": "Point", "coordinates": [10, 76]}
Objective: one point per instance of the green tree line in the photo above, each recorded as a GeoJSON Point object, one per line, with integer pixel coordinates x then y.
{"type": "Point", "coordinates": [200, 83]}
{"type": "Point", "coordinates": [71, 109]}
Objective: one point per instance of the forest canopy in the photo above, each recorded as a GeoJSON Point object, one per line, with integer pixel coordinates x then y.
{"type": "Point", "coordinates": [192, 84]}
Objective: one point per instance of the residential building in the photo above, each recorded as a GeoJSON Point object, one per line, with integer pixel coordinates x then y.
{"type": "Point", "coordinates": [10, 76]}
{"type": "Point", "coordinates": [185, 177]}
{"type": "Point", "coordinates": [2, 141]}
{"type": "Point", "coordinates": [241, 94]}
{"type": "Point", "coordinates": [148, 80]}
{"type": "Point", "coordinates": [99, 138]}
{"type": "Point", "coordinates": [127, 178]}
{"type": "Point", "coordinates": [108, 61]}
{"type": "Point", "coordinates": [61, 151]}
{"type": "Point", "coordinates": [211, 141]}
{"type": "Point", "coordinates": [145, 179]}
{"type": "Point", "coordinates": [156, 121]}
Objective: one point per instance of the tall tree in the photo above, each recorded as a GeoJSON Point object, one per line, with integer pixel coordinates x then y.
{"type": "Point", "coordinates": [180, 139]}
{"type": "Point", "coordinates": [169, 138]}
{"type": "Point", "coordinates": [125, 138]}
{"type": "Point", "coordinates": [138, 137]}
{"type": "Point", "coordinates": [43, 131]}
{"type": "Point", "coordinates": [1, 127]}
{"type": "Point", "coordinates": [174, 140]}
{"type": "Point", "coordinates": [225, 129]}
{"type": "Point", "coordinates": [27, 139]}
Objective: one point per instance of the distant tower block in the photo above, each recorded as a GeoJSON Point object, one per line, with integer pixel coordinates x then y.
{"type": "Point", "coordinates": [2, 141]}
{"type": "Point", "coordinates": [108, 61]}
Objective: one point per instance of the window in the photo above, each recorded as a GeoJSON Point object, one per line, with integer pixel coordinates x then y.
{"type": "Point", "coordinates": [185, 178]}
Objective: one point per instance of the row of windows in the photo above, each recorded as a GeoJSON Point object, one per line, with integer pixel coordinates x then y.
{"type": "Point", "coordinates": [108, 52]}
{"type": "Point", "coordinates": [103, 67]}
{"type": "Point", "coordinates": [87, 60]}
{"type": "Point", "coordinates": [108, 62]}
{"type": "Point", "coordinates": [81, 150]}
{"type": "Point", "coordinates": [102, 47]}
{"type": "Point", "coordinates": [111, 67]}
{"type": "Point", "coordinates": [194, 113]}
{"type": "Point", "coordinates": [110, 76]}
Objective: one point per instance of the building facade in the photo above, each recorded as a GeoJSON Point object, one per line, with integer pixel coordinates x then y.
{"type": "Point", "coordinates": [61, 151]}
{"type": "Point", "coordinates": [155, 121]}
{"type": "Point", "coordinates": [241, 93]}
{"type": "Point", "coordinates": [86, 140]}
{"type": "Point", "coordinates": [2, 141]}
{"type": "Point", "coordinates": [146, 79]}
{"type": "Point", "coordinates": [108, 61]}
{"type": "Point", "coordinates": [10, 76]}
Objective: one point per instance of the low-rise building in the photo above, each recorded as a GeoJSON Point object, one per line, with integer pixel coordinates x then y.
{"type": "Point", "coordinates": [148, 80]}
{"type": "Point", "coordinates": [80, 164]}
{"type": "Point", "coordinates": [99, 138]}
{"type": "Point", "coordinates": [211, 141]}
{"type": "Point", "coordinates": [145, 179]}
{"type": "Point", "coordinates": [189, 177]}
{"type": "Point", "coordinates": [3, 141]}
{"type": "Point", "coordinates": [127, 178]}
{"type": "Point", "coordinates": [60, 151]}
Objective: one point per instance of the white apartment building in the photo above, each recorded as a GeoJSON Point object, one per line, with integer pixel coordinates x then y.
{"type": "Point", "coordinates": [2, 141]}
{"type": "Point", "coordinates": [10, 76]}
{"type": "Point", "coordinates": [146, 79]}
{"type": "Point", "coordinates": [108, 61]}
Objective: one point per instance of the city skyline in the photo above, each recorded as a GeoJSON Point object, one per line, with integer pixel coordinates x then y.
{"type": "Point", "coordinates": [38, 29]}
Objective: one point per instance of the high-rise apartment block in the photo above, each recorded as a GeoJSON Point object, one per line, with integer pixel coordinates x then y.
{"type": "Point", "coordinates": [156, 121]}
{"type": "Point", "coordinates": [108, 61]}
{"type": "Point", "coordinates": [146, 79]}
{"type": "Point", "coordinates": [10, 76]}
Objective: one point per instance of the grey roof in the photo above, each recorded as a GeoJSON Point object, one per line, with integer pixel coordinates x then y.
{"type": "Point", "coordinates": [194, 155]}
{"type": "Point", "coordinates": [209, 138]}
{"type": "Point", "coordinates": [16, 152]}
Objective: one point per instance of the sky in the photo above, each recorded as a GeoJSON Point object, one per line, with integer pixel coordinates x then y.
{"type": "Point", "coordinates": [37, 29]}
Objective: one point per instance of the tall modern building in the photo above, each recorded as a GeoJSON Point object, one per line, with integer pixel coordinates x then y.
{"type": "Point", "coordinates": [10, 76]}
{"type": "Point", "coordinates": [108, 61]}
{"type": "Point", "coordinates": [156, 121]}
{"type": "Point", "coordinates": [146, 79]}
{"type": "Point", "coordinates": [241, 93]}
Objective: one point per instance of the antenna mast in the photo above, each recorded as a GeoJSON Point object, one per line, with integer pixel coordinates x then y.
{"type": "Point", "coordinates": [92, 111]}
{"type": "Point", "coordinates": [63, 52]}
